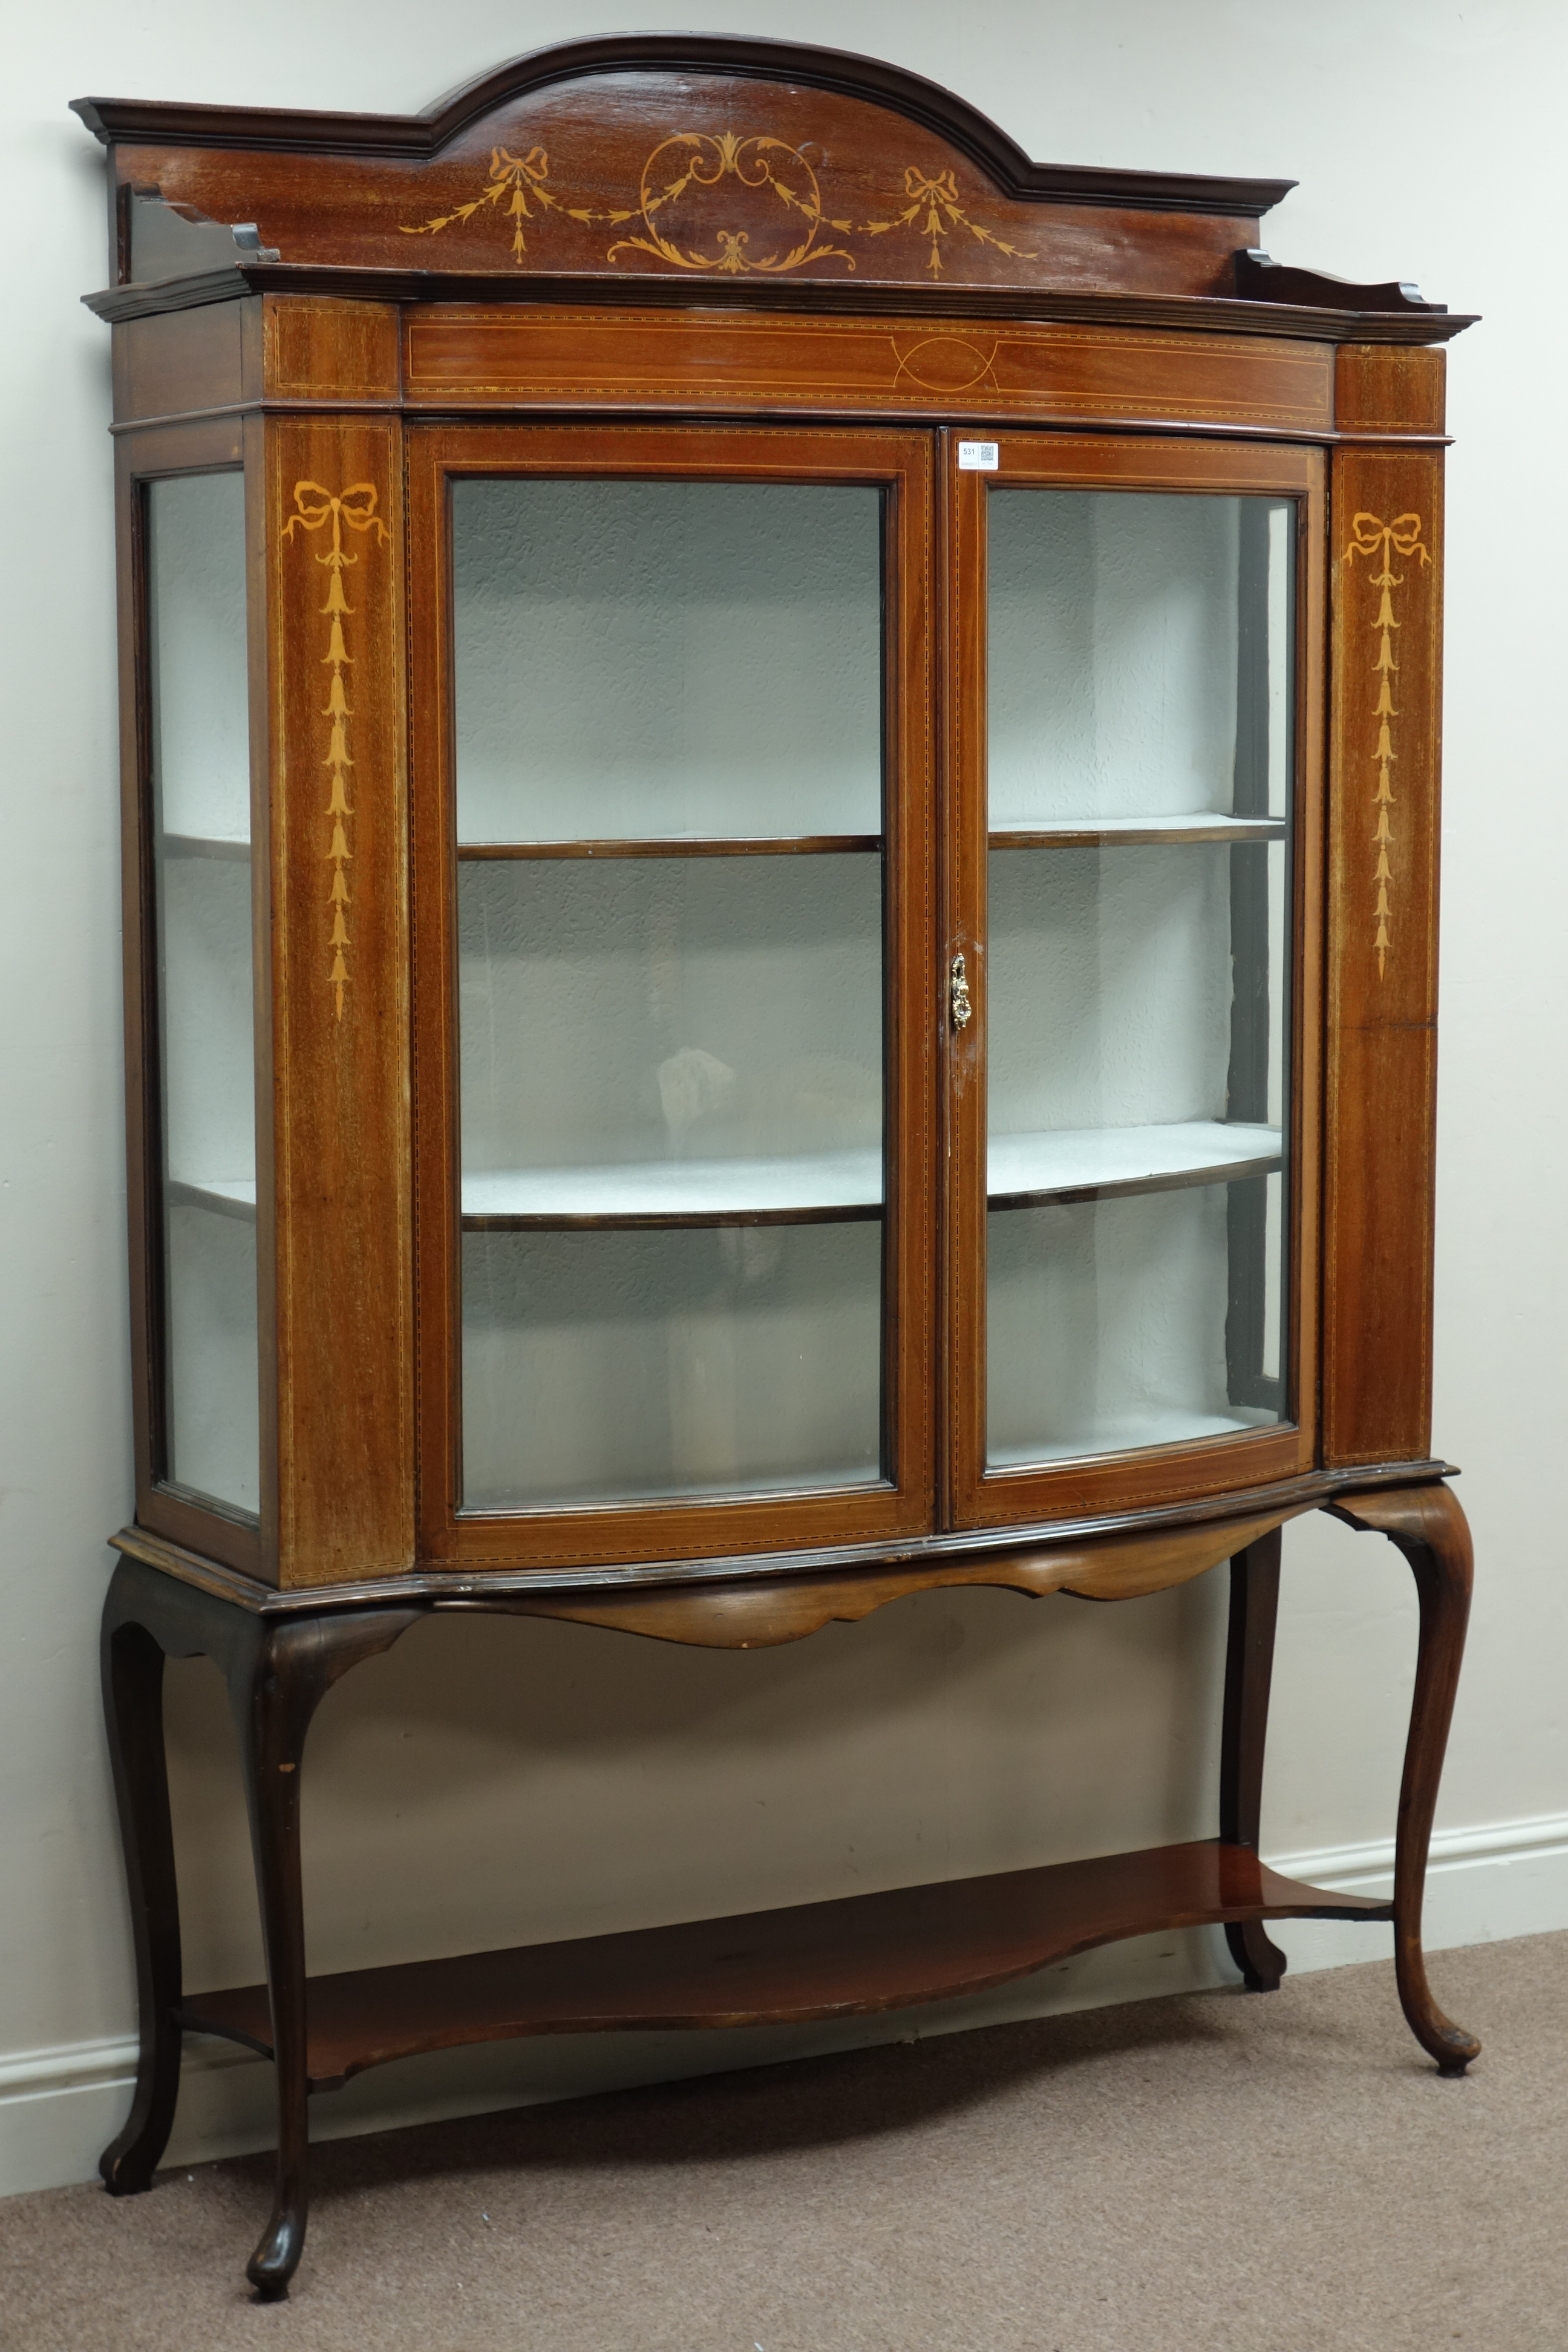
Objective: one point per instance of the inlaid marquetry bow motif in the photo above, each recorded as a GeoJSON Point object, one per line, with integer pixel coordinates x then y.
{"type": "Point", "coordinates": [517, 177]}
{"type": "Point", "coordinates": [356, 509]}
{"type": "Point", "coordinates": [1370, 536]}
{"type": "Point", "coordinates": [933, 211]}
{"type": "Point", "coordinates": [693, 161]}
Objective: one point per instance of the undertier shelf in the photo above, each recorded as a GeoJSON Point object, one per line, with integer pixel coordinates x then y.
{"type": "Point", "coordinates": [1062, 1165]}
{"type": "Point", "coordinates": [855, 1956]}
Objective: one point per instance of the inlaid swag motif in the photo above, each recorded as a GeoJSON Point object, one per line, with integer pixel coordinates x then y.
{"type": "Point", "coordinates": [1370, 536]}
{"type": "Point", "coordinates": [314, 507]}
{"type": "Point", "coordinates": [689, 163]}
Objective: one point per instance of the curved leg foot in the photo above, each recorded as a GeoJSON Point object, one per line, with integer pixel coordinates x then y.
{"type": "Point", "coordinates": [1429, 1528]}
{"type": "Point", "coordinates": [1248, 1670]}
{"type": "Point", "coordinates": [281, 2243]}
{"type": "Point", "coordinates": [1261, 1962]}
{"type": "Point", "coordinates": [132, 1665]}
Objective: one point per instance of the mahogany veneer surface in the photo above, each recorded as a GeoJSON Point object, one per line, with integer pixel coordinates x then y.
{"type": "Point", "coordinates": [854, 1956]}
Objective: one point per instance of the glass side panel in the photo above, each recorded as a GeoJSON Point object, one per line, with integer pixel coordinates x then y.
{"type": "Point", "coordinates": [200, 814]}
{"type": "Point", "coordinates": [660, 660]}
{"type": "Point", "coordinates": [670, 1064]}
{"type": "Point", "coordinates": [1141, 670]}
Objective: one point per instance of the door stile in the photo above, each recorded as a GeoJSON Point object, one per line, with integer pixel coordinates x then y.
{"type": "Point", "coordinates": [964, 505]}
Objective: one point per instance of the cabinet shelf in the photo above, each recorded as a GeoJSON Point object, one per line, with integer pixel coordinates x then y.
{"type": "Point", "coordinates": [204, 845]}
{"type": "Point", "coordinates": [1106, 832]}
{"type": "Point", "coordinates": [1097, 1163]}
{"type": "Point", "coordinates": [797, 1188]}
{"type": "Point", "coordinates": [855, 1956]}
{"type": "Point", "coordinates": [1058, 1165]}
{"type": "Point", "coordinates": [762, 845]}
{"type": "Point", "coordinates": [231, 1197]}
{"type": "Point", "coordinates": [1055, 833]}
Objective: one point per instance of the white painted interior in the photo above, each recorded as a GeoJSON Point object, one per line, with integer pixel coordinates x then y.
{"type": "Point", "coordinates": [487, 1782]}
{"type": "Point", "coordinates": [196, 634]}
{"type": "Point", "coordinates": [646, 660]}
{"type": "Point", "coordinates": [1110, 985]}
{"type": "Point", "coordinates": [1105, 1325]}
{"type": "Point", "coordinates": [718, 1360]}
{"type": "Point", "coordinates": [670, 1028]}
{"type": "Point", "coordinates": [1112, 662]}
{"type": "Point", "coordinates": [669, 1008]}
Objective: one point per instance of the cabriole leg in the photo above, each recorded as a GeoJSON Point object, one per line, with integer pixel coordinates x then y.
{"type": "Point", "coordinates": [272, 1738]}
{"type": "Point", "coordinates": [1248, 1670]}
{"type": "Point", "coordinates": [132, 1665]}
{"type": "Point", "coordinates": [1429, 1528]}
{"type": "Point", "coordinates": [274, 1688]}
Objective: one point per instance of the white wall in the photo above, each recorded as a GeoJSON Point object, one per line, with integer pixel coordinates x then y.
{"type": "Point", "coordinates": [486, 1783]}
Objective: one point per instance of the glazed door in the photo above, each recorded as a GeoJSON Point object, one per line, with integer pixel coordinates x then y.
{"type": "Point", "coordinates": [1133, 973]}
{"type": "Point", "coordinates": [675, 950]}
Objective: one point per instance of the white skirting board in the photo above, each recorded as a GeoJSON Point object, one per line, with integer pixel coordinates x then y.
{"type": "Point", "coordinates": [60, 2108]}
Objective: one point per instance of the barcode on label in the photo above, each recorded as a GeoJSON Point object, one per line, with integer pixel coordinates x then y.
{"type": "Point", "coordinates": [978, 457]}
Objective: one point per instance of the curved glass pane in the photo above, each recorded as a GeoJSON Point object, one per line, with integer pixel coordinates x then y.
{"type": "Point", "coordinates": [1141, 688]}
{"type": "Point", "coordinates": [668, 734]}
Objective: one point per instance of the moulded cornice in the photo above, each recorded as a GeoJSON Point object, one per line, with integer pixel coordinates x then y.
{"type": "Point", "coordinates": [417, 137]}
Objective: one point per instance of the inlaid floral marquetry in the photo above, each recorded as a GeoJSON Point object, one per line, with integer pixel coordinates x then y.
{"type": "Point", "coordinates": [356, 509]}
{"type": "Point", "coordinates": [1370, 536]}
{"type": "Point", "coordinates": [667, 220]}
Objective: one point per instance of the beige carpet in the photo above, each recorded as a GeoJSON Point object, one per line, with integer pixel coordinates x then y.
{"type": "Point", "coordinates": [1277, 2174]}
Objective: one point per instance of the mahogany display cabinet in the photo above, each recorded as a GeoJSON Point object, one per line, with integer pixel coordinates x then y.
{"type": "Point", "coordinates": [781, 832]}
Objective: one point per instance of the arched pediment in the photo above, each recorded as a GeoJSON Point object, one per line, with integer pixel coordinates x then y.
{"type": "Point", "coordinates": [687, 157]}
